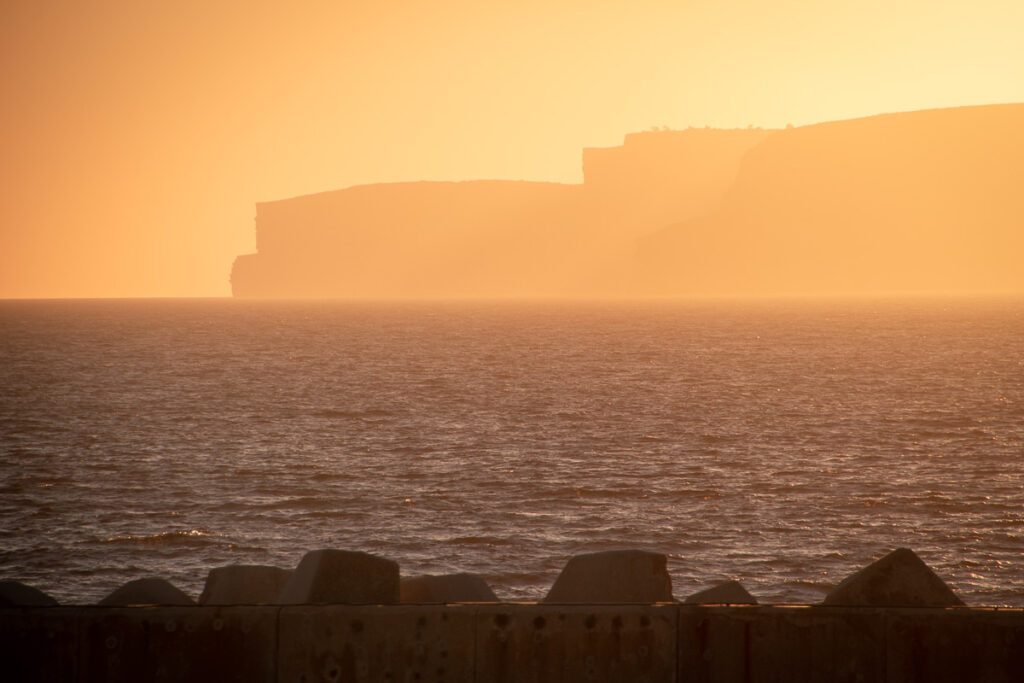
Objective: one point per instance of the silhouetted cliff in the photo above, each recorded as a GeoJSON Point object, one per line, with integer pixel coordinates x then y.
{"type": "Point", "coordinates": [421, 239]}
{"type": "Point", "coordinates": [490, 238]}
{"type": "Point", "coordinates": [658, 177]}
{"type": "Point", "coordinates": [926, 201]}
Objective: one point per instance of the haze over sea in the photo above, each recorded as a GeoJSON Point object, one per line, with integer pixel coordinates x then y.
{"type": "Point", "coordinates": [781, 443]}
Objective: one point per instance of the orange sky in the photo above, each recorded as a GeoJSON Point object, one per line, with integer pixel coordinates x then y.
{"type": "Point", "coordinates": [136, 137]}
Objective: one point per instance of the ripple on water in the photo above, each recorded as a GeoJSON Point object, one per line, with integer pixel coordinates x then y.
{"type": "Point", "coordinates": [781, 445]}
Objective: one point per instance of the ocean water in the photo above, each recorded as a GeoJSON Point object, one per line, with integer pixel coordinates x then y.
{"type": "Point", "coordinates": [783, 444]}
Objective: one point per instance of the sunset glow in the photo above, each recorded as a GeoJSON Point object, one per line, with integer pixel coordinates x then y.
{"type": "Point", "coordinates": [137, 138]}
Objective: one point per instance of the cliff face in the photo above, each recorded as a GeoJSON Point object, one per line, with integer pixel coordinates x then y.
{"type": "Point", "coordinates": [924, 202]}
{"type": "Point", "coordinates": [660, 177]}
{"type": "Point", "coordinates": [490, 238]}
{"type": "Point", "coordinates": [423, 239]}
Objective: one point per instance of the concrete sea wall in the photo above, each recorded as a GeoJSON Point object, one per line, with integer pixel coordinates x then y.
{"type": "Point", "coordinates": [666, 642]}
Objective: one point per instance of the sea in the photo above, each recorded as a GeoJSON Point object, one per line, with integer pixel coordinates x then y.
{"type": "Point", "coordinates": [781, 443]}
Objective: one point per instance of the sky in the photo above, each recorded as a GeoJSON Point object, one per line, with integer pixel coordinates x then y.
{"type": "Point", "coordinates": [136, 137]}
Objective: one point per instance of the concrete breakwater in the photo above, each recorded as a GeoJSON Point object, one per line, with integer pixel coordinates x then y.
{"type": "Point", "coordinates": [330, 576]}
{"type": "Point", "coordinates": [511, 642]}
{"type": "Point", "coordinates": [610, 616]}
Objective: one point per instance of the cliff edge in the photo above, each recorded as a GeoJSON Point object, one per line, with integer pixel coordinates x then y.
{"type": "Point", "coordinates": [917, 202]}
{"type": "Point", "coordinates": [491, 238]}
{"type": "Point", "coordinates": [924, 202]}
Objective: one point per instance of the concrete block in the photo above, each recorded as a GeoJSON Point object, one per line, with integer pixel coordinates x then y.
{"type": "Point", "coordinates": [613, 576]}
{"type": "Point", "coordinates": [551, 644]}
{"type": "Point", "coordinates": [764, 644]}
{"type": "Point", "coordinates": [815, 644]}
{"type": "Point", "coordinates": [712, 645]}
{"type": "Point", "coordinates": [147, 592]}
{"type": "Point", "coordinates": [203, 645]}
{"type": "Point", "coordinates": [728, 593]}
{"type": "Point", "coordinates": [18, 594]}
{"type": "Point", "coordinates": [244, 584]}
{"type": "Point", "coordinates": [446, 588]}
{"type": "Point", "coordinates": [520, 642]}
{"type": "Point", "coordinates": [342, 577]}
{"type": "Point", "coordinates": [114, 644]}
{"type": "Point", "coordinates": [330, 644]}
{"type": "Point", "coordinates": [955, 645]}
{"type": "Point", "coordinates": [900, 579]}
{"type": "Point", "coordinates": [39, 645]}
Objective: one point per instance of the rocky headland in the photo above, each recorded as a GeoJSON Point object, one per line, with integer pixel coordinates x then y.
{"type": "Point", "coordinates": [918, 202]}
{"type": "Point", "coordinates": [491, 238]}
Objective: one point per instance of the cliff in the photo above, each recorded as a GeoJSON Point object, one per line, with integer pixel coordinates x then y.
{"type": "Point", "coordinates": [918, 202]}
{"type": "Point", "coordinates": [490, 238]}
{"type": "Point", "coordinates": [659, 177]}
{"type": "Point", "coordinates": [409, 240]}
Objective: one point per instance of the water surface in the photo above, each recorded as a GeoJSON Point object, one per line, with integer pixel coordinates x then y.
{"type": "Point", "coordinates": [783, 444]}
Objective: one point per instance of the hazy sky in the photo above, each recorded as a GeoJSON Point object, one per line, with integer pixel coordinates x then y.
{"type": "Point", "coordinates": [137, 136]}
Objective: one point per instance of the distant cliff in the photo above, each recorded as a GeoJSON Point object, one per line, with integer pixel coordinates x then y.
{"type": "Point", "coordinates": [424, 239]}
{"type": "Point", "coordinates": [657, 177]}
{"type": "Point", "coordinates": [491, 238]}
{"type": "Point", "coordinates": [918, 202]}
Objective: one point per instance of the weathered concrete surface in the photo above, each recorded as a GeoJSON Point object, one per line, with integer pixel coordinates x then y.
{"type": "Point", "coordinates": [244, 584]}
{"type": "Point", "coordinates": [512, 642]}
{"type": "Point", "coordinates": [446, 588]}
{"type": "Point", "coordinates": [39, 644]}
{"type": "Point", "coordinates": [18, 594]}
{"type": "Point", "coordinates": [780, 644]}
{"type": "Point", "coordinates": [376, 643]}
{"type": "Point", "coordinates": [986, 646]}
{"type": "Point", "coordinates": [613, 576]}
{"type": "Point", "coordinates": [178, 644]}
{"type": "Point", "coordinates": [147, 592]}
{"type": "Point", "coordinates": [826, 644]}
{"type": "Point", "coordinates": [900, 579]}
{"type": "Point", "coordinates": [342, 577]}
{"type": "Point", "coordinates": [712, 644]}
{"type": "Point", "coordinates": [798, 644]}
{"type": "Point", "coordinates": [727, 593]}
{"type": "Point", "coordinates": [131, 644]}
{"type": "Point", "coordinates": [550, 644]}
